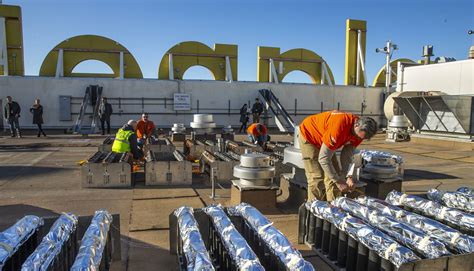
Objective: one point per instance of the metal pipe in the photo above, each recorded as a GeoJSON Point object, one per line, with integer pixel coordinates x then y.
{"type": "Point", "coordinates": [208, 157]}
{"type": "Point", "coordinates": [223, 156]}
{"type": "Point", "coordinates": [358, 58]}
{"type": "Point", "coordinates": [210, 143]}
{"type": "Point", "coordinates": [179, 156]}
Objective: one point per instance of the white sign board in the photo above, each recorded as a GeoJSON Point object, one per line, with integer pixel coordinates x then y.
{"type": "Point", "coordinates": [182, 101]}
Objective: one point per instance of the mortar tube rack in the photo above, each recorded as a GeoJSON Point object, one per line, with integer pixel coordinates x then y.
{"type": "Point", "coordinates": [343, 253]}
{"type": "Point", "coordinates": [215, 247]}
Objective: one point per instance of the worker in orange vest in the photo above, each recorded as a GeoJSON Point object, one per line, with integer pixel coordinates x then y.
{"type": "Point", "coordinates": [258, 134]}
{"type": "Point", "coordinates": [320, 136]}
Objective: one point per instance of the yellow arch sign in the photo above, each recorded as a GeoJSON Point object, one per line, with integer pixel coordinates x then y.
{"type": "Point", "coordinates": [379, 80]}
{"type": "Point", "coordinates": [221, 61]}
{"type": "Point", "coordinates": [68, 54]}
{"type": "Point", "coordinates": [293, 60]}
{"type": "Point", "coordinates": [11, 48]}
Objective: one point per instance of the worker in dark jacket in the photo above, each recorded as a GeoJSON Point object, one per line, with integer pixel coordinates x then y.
{"type": "Point", "coordinates": [12, 114]}
{"type": "Point", "coordinates": [105, 111]}
{"type": "Point", "coordinates": [37, 111]}
{"type": "Point", "coordinates": [244, 118]}
{"type": "Point", "coordinates": [257, 110]}
{"type": "Point", "coordinates": [126, 140]}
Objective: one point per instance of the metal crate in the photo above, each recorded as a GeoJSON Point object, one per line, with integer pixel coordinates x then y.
{"type": "Point", "coordinates": [167, 169]}
{"type": "Point", "coordinates": [219, 164]}
{"type": "Point", "coordinates": [100, 173]}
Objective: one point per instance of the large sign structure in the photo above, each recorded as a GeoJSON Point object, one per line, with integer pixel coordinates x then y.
{"type": "Point", "coordinates": [273, 66]}
{"type": "Point", "coordinates": [62, 59]}
{"type": "Point", "coordinates": [354, 71]}
{"type": "Point", "coordinates": [11, 41]}
{"type": "Point", "coordinates": [221, 60]}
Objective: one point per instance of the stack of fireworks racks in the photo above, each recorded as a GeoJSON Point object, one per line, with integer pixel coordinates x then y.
{"type": "Point", "coordinates": [402, 232]}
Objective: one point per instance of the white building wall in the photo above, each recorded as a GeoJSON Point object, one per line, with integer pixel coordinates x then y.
{"type": "Point", "coordinates": [213, 97]}
{"type": "Point", "coordinates": [452, 78]}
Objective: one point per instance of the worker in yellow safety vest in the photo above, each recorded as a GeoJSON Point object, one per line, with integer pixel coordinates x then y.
{"type": "Point", "coordinates": [126, 140]}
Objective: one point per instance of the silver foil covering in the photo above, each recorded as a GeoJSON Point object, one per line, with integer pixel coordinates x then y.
{"type": "Point", "coordinates": [404, 233]}
{"type": "Point", "coordinates": [12, 238]}
{"type": "Point", "coordinates": [380, 166]}
{"type": "Point", "coordinates": [457, 200]}
{"type": "Point", "coordinates": [372, 238]}
{"type": "Point", "coordinates": [197, 257]}
{"type": "Point", "coordinates": [368, 155]}
{"type": "Point", "coordinates": [431, 208]}
{"type": "Point", "coordinates": [51, 245]}
{"type": "Point", "coordinates": [93, 243]}
{"type": "Point", "coordinates": [275, 240]}
{"type": "Point", "coordinates": [235, 244]}
{"type": "Point", "coordinates": [452, 238]}
{"type": "Point", "coordinates": [466, 190]}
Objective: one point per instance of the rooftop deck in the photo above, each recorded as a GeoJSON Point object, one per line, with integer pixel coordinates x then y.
{"type": "Point", "coordinates": [42, 177]}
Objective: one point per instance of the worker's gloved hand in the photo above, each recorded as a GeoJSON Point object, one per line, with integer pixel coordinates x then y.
{"type": "Point", "coordinates": [350, 183]}
{"type": "Point", "coordinates": [342, 186]}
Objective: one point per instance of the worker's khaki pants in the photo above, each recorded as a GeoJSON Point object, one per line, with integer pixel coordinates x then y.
{"type": "Point", "coordinates": [319, 186]}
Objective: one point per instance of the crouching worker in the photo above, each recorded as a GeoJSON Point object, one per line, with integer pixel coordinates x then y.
{"type": "Point", "coordinates": [126, 140]}
{"type": "Point", "coordinates": [320, 136]}
{"type": "Point", "coordinates": [258, 134]}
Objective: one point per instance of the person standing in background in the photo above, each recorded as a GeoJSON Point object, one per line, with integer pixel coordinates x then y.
{"type": "Point", "coordinates": [37, 111]}
{"type": "Point", "coordinates": [257, 110]}
{"type": "Point", "coordinates": [244, 118]}
{"type": "Point", "coordinates": [105, 111]}
{"type": "Point", "coordinates": [12, 114]}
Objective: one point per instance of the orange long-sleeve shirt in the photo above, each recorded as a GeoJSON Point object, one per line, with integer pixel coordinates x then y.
{"type": "Point", "coordinates": [253, 130]}
{"type": "Point", "coordinates": [333, 128]}
{"type": "Point", "coordinates": [145, 128]}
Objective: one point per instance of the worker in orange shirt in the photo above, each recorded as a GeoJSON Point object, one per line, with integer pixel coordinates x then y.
{"type": "Point", "coordinates": [320, 136]}
{"type": "Point", "coordinates": [145, 128]}
{"type": "Point", "coordinates": [257, 134]}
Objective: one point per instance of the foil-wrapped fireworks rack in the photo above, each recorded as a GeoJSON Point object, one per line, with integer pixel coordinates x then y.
{"type": "Point", "coordinates": [242, 256]}
{"type": "Point", "coordinates": [347, 233]}
{"type": "Point", "coordinates": [191, 242]}
{"type": "Point", "coordinates": [18, 241]}
{"type": "Point", "coordinates": [458, 200]}
{"type": "Point", "coordinates": [92, 252]}
{"type": "Point", "coordinates": [403, 233]}
{"type": "Point", "coordinates": [272, 237]}
{"type": "Point", "coordinates": [453, 217]}
{"type": "Point", "coordinates": [347, 241]}
{"type": "Point", "coordinates": [456, 241]}
{"type": "Point", "coordinates": [237, 238]}
{"type": "Point", "coordinates": [50, 251]}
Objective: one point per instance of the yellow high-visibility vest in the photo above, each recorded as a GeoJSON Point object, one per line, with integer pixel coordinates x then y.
{"type": "Point", "coordinates": [122, 142]}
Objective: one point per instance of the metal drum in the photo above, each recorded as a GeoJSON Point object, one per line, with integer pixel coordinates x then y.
{"type": "Point", "coordinates": [203, 123]}
{"type": "Point", "coordinates": [254, 170]}
{"type": "Point", "coordinates": [178, 128]}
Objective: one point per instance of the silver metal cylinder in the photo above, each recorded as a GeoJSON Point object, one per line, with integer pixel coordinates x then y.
{"type": "Point", "coordinates": [178, 128]}
{"type": "Point", "coordinates": [254, 160]}
{"type": "Point", "coordinates": [254, 170]}
{"type": "Point", "coordinates": [200, 118]}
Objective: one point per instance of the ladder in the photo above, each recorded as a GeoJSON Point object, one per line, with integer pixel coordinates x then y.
{"type": "Point", "coordinates": [282, 119]}
{"type": "Point", "coordinates": [92, 96]}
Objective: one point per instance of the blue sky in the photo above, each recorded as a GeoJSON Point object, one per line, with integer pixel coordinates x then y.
{"type": "Point", "coordinates": [149, 28]}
